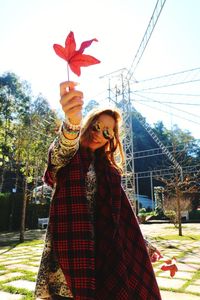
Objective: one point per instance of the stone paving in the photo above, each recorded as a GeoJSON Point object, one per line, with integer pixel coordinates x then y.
{"type": "Point", "coordinates": [19, 263]}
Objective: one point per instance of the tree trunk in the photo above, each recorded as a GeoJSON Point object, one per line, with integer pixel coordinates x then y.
{"type": "Point", "coordinates": [2, 180]}
{"type": "Point", "coordinates": [23, 217]}
{"type": "Point", "coordinates": [17, 179]}
{"type": "Point", "coordinates": [179, 215]}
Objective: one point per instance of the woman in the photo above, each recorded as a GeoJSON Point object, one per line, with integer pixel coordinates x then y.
{"type": "Point", "coordinates": [94, 247]}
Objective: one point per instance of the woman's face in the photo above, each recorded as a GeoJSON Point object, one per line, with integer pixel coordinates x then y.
{"type": "Point", "coordinates": [101, 131]}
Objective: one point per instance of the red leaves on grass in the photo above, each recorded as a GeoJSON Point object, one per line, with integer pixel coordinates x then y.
{"type": "Point", "coordinates": [75, 58]}
{"type": "Point", "coordinates": [170, 265]}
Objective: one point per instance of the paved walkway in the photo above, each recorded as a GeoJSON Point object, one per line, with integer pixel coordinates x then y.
{"type": "Point", "coordinates": [19, 263]}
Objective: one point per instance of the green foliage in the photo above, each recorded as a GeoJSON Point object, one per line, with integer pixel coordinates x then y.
{"type": "Point", "coordinates": [28, 128]}
{"type": "Point", "coordinates": [35, 211]}
{"type": "Point", "coordinates": [192, 237]}
{"type": "Point", "coordinates": [182, 145]}
{"type": "Point", "coordinates": [172, 215]}
{"type": "Point", "coordinates": [92, 104]}
{"type": "Point", "coordinates": [194, 215]}
{"type": "Point", "coordinates": [142, 210]}
{"type": "Point", "coordinates": [159, 212]}
{"type": "Point", "coordinates": [11, 210]}
{"type": "Point", "coordinates": [26, 131]}
{"type": "Point", "coordinates": [5, 203]}
{"type": "Point", "coordinates": [14, 104]}
{"type": "Point", "coordinates": [144, 216]}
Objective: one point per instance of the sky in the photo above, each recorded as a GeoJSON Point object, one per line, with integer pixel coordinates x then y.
{"type": "Point", "coordinates": [29, 28]}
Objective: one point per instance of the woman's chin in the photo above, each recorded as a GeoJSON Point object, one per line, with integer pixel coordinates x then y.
{"type": "Point", "coordinates": [91, 143]}
{"type": "Point", "coordinates": [94, 146]}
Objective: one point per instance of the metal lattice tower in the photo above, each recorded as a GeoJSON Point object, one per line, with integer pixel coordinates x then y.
{"type": "Point", "coordinates": [120, 95]}
{"type": "Point", "coordinates": [122, 100]}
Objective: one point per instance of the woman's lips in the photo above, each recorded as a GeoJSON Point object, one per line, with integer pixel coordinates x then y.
{"type": "Point", "coordinates": [96, 140]}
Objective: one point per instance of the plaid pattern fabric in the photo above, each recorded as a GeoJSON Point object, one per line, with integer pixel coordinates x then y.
{"type": "Point", "coordinates": [123, 267]}
{"type": "Point", "coordinates": [114, 267]}
{"type": "Point", "coordinates": [71, 228]}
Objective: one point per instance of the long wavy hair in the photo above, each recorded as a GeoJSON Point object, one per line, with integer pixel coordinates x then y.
{"type": "Point", "coordinates": [112, 151]}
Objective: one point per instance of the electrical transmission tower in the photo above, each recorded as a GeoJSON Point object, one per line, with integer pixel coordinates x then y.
{"type": "Point", "coordinates": [120, 95]}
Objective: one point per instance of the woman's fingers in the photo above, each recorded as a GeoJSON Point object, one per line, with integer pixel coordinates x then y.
{"type": "Point", "coordinates": [69, 96]}
{"type": "Point", "coordinates": [66, 86]}
{"type": "Point", "coordinates": [76, 110]}
{"type": "Point", "coordinates": [71, 101]}
{"type": "Point", "coordinates": [72, 105]}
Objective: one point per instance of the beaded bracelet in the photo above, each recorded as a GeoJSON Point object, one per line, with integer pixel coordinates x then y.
{"type": "Point", "coordinates": [71, 126]}
{"type": "Point", "coordinates": [67, 130]}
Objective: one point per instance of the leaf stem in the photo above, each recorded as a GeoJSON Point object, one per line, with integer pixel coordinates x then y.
{"type": "Point", "coordinates": [68, 72]}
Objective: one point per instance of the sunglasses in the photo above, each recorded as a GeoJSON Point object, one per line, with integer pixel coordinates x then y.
{"type": "Point", "coordinates": [108, 133]}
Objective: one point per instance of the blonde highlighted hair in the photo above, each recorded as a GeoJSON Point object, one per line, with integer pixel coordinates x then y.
{"type": "Point", "coordinates": [113, 150]}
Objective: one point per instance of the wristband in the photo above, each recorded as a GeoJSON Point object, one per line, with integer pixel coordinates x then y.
{"type": "Point", "coordinates": [71, 126]}
{"type": "Point", "coordinates": [67, 130]}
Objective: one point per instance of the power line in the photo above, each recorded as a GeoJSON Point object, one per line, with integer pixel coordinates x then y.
{"type": "Point", "coordinates": [171, 101]}
{"type": "Point", "coordinates": [187, 76]}
{"type": "Point", "coordinates": [168, 85]}
{"type": "Point", "coordinates": [174, 94]}
{"type": "Point", "coordinates": [171, 74]}
{"type": "Point", "coordinates": [150, 28]}
{"type": "Point", "coordinates": [178, 116]}
{"type": "Point", "coordinates": [168, 102]}
{"type": "Point", "coordinates": [160, 102]}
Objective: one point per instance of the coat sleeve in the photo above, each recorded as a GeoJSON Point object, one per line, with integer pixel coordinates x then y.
{"type": "Point", "coordinates": [60, 153]}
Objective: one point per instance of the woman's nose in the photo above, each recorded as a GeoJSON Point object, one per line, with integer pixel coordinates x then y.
{"type": "Point", "coordinates": [99, 134]}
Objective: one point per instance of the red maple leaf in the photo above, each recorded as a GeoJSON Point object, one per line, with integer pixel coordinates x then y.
{"type": "Point", "coordinates": [170, 265]}
{"type": "Point", "coordinates": [75, 58]}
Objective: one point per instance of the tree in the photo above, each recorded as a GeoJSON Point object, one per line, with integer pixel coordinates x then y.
{"type": "Point", "coordinates": [33, 137]}
{"type": "Point", "coordinates": [181, 144]}
{"type": "Point", "coordinates": [90, 106]}
{"type": "Point", "coordinates": [14, 102]}
{"type": "Point", "coordinates": [183, 147]}
{"type": "Point", "coordinates": [178, 196]}
{"type": "Point", "coordinates": [27, 128]}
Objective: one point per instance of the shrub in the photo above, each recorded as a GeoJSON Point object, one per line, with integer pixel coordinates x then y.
{"type": "Point", "coordinates": [11, 210]}
{"type": "Point", "coordinates": [171, 214]}
{"type": "Point", "coordinates": [144, 216]}
{"type": "Point", "coordinates": [5, 204]}
{"type": "Point", "coordinates": [194, 215]}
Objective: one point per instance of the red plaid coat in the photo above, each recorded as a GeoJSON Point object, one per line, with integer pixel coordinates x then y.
{"type": "Point", "coordinates": [114, 267]}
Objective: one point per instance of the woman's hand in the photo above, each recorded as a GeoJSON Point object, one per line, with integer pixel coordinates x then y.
{"type": "Point", "coordinates": [156, 255]}
{"type": "Point", "coordinates": [71, 101]}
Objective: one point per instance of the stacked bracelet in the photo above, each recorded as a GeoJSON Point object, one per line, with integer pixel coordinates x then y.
{"type": "Point", "coordinates": [71, 126]}
{"type": "Point", "coordinates": [71, 129]}
{"type": "Point", "coordinates": [70, 132]}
